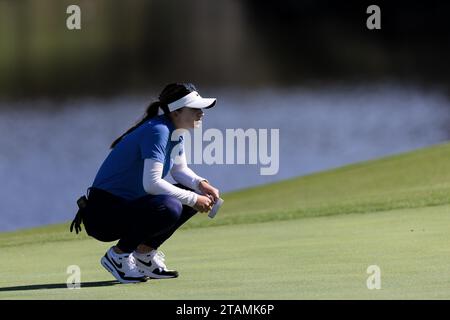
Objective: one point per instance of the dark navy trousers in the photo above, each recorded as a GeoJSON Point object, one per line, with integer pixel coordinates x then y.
{"type": "Point", "coordinates": [149, 220]}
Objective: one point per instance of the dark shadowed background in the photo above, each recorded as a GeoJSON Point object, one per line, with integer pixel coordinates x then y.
{"type": "Point", "coordinates": [134, 45]}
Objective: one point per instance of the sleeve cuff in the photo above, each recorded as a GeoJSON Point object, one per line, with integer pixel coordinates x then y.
{"type": "Point", "coordinates": [193, 200]}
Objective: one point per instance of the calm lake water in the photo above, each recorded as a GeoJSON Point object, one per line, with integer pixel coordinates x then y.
{"type": "Point", "coordinates": [51, 153]}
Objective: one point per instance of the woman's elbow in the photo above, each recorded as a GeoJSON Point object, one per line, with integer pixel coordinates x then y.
{"type": "Point", "coordinates": [150, 187]}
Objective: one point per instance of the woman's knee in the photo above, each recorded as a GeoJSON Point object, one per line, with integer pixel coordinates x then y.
{"type": "Point", "coordinates": [171, 205]}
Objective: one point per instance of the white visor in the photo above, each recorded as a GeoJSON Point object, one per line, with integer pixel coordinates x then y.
{"type": "Point", "coordinates": [192, 100]}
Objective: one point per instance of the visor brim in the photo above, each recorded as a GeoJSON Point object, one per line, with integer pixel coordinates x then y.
{"type": "Point", "coordinates": [202, 103]}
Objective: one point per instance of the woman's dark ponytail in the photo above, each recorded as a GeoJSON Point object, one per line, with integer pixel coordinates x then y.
{"type": "Point", "coordinates": [151, 112]}
{"type": "Point", "coordinates": [170, 93]}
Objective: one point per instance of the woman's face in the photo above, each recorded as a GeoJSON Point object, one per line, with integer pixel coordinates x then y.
{"type": "Point", "coordinates": [187, 118]}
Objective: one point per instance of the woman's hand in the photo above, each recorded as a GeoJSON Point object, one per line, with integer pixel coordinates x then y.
{"type": "Point", "coordinates": [208, 190]}
{"type": "Point", "coordinates": [203, 204]}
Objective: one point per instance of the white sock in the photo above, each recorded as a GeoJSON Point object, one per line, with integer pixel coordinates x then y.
{"type": "Point", "coordinates": [145, 256]}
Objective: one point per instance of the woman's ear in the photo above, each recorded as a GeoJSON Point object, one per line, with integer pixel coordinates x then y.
{"type": "Point", "coordinates": [175, 113]}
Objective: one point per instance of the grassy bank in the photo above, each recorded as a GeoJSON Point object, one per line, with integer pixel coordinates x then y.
{"type": "Point", "coordinates": [311, 237]}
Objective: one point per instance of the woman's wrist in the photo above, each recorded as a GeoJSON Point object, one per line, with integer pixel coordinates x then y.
{"type": "Point", "coordinates": [200, 183]}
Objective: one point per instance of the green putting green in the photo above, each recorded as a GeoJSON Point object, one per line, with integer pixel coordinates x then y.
{"type": "Point", "coordinates": [311, 237]}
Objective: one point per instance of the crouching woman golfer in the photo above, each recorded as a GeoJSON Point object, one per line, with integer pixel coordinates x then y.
{"type": "Point", "coordinates": [130, 201]}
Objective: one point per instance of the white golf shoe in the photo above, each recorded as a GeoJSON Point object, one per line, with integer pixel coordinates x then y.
{"type": "Point", "coordinates": [122, 267]}
{"type": "Point", "coordinates": [152, 265]}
